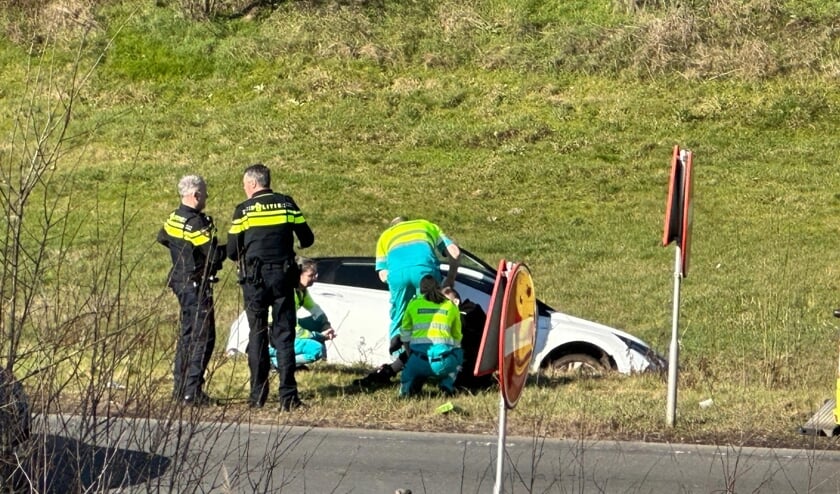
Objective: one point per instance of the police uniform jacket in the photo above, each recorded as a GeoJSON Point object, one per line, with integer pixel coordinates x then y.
{"type": "Point", "coordinates": [264, 228]}
{"type": "Point", "coordinates": [190, 237]}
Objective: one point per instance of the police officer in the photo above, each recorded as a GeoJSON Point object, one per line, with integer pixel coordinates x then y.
{"type": "Point", "coordinates": [190, 236]}
{"type": "Point", "coordinates": [261, 239]}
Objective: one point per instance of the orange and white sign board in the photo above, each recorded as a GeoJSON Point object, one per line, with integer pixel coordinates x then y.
{"type": "Point", "coordinates": [687, 212]}
{"type": "Point", "coordinates": [678, 209]}
{"type": "Point", "coordinates": [519, 332]}
{"type": "Point", "coordinates": [487, 360]}
{"type": "Point", "coordinates": [673, 213]}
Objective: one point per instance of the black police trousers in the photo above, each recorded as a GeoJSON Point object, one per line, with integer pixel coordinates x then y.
{"type": "Point", "coordinates": [197, 338]}
{"type": "Point", "coordinates": [273, 290]}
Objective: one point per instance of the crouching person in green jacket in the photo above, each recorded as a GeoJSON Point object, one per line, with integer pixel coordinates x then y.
{"type": "Point", "coordinates": [431, 334]}
{"type": "Point", "coordinates": [312, 331]}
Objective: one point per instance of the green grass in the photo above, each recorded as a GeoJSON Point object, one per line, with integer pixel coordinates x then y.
{"type": "Point", "coordinates": [529, 131]}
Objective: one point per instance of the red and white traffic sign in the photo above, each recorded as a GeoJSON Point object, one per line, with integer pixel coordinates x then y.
{"type": "Point", "coordinates": [519, 332]}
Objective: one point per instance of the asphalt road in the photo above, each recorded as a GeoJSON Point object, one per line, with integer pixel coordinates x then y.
{"type": "Point", "coordinates": [189, 456]}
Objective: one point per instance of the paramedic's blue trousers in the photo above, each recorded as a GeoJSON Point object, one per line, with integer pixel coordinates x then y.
{"type": "Point", "coordinates": [423, 364]}
{"type": "Point", "coordinates": [403, 283]}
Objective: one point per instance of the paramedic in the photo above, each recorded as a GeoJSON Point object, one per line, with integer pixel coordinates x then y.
{"type": "Point", "coordinates": [405, 253]}
{"type": "Point", "coordinates": [311, 331]}
{"type": "Point", "coordinates": [431, 336]}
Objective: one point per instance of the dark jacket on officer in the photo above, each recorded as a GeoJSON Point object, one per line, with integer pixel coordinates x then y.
{"type": "Point", "coordinates": [264, 228]}
{"type": "Point", "coordinates": [191, 238]}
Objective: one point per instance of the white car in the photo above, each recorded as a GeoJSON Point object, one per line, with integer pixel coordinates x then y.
{"type": "Point", "coordinates": [357, 303]}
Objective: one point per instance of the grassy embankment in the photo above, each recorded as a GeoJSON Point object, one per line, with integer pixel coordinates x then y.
{"type": "Point", "coordinates": [528, 130]}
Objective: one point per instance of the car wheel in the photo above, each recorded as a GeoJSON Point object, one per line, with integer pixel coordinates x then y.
{"type": "Point", "coordinates": [576, 364]}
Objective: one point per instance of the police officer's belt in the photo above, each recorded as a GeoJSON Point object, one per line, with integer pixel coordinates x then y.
{"type": "Point", "coordinates": [283, 264]}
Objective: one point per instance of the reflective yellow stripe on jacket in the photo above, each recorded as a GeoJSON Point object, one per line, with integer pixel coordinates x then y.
{"type": "Point", "coordinates": [176, 228]}
{"type": "Point", "coordinates": [404, 234]}
{"type": "Point", "coordinates": [428, 322]}
{"type": "Point", "coordinates": [259, 217]}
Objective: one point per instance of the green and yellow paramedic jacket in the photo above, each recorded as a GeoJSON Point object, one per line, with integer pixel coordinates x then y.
{"type": "Point", "coordinates": [410, 243]}
{"type": "Point", "coordinates": [304, 299]}
{"type": "Point", "coordinates": [426, 322]}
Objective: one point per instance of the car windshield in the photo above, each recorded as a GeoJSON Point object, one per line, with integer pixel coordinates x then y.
{"type": "Point", "coordinates": [471, 261]}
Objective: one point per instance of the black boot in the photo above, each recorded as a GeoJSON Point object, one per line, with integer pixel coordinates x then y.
{"type": "Point", "coordinates": [381, 376]}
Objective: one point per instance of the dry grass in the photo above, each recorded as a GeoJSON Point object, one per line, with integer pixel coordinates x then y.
{"type": "Point", "coordinates": [60, 20]}
{"type": "Point", "coordinates": [729, 39]}
{"type": "Point", "coordinates": [359, 113]}
{"type": "Point", "coordinates": [607, 408]}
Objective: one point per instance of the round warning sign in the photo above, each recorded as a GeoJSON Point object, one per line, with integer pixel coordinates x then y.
{"type": "Point", "coordinates": [519, 332]}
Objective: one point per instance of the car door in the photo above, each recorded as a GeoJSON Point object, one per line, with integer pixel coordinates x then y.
{"type": "Point", "coordinates": [357, 304]}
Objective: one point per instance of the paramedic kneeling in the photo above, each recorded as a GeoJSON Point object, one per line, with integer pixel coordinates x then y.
{"type": "Point", "coordinates": [431, 335]}
{"type": "Point", "coordinates": [311, 331]}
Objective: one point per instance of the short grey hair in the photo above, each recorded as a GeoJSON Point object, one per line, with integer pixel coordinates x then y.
{"type": "Point", "coordinates": [189, 184]}
{"type": "Point", "coordinates": [259, 173]}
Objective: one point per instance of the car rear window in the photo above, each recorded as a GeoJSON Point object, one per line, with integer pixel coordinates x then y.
{"type": "Point", "coordinates": [349, 273]}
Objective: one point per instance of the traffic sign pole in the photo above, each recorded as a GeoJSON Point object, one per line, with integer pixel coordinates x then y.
{"type": "Point", "coordinates": [500, 448]}
{"type": "Point", "coordinates": [674, 352]}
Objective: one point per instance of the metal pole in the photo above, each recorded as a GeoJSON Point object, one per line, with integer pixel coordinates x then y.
{"type": "Point", "coordinates": [674, 352]}
{"type": "Point", "coordinates": [500, 449]}
{"type": "Point", "coordinates": [837, 389]}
